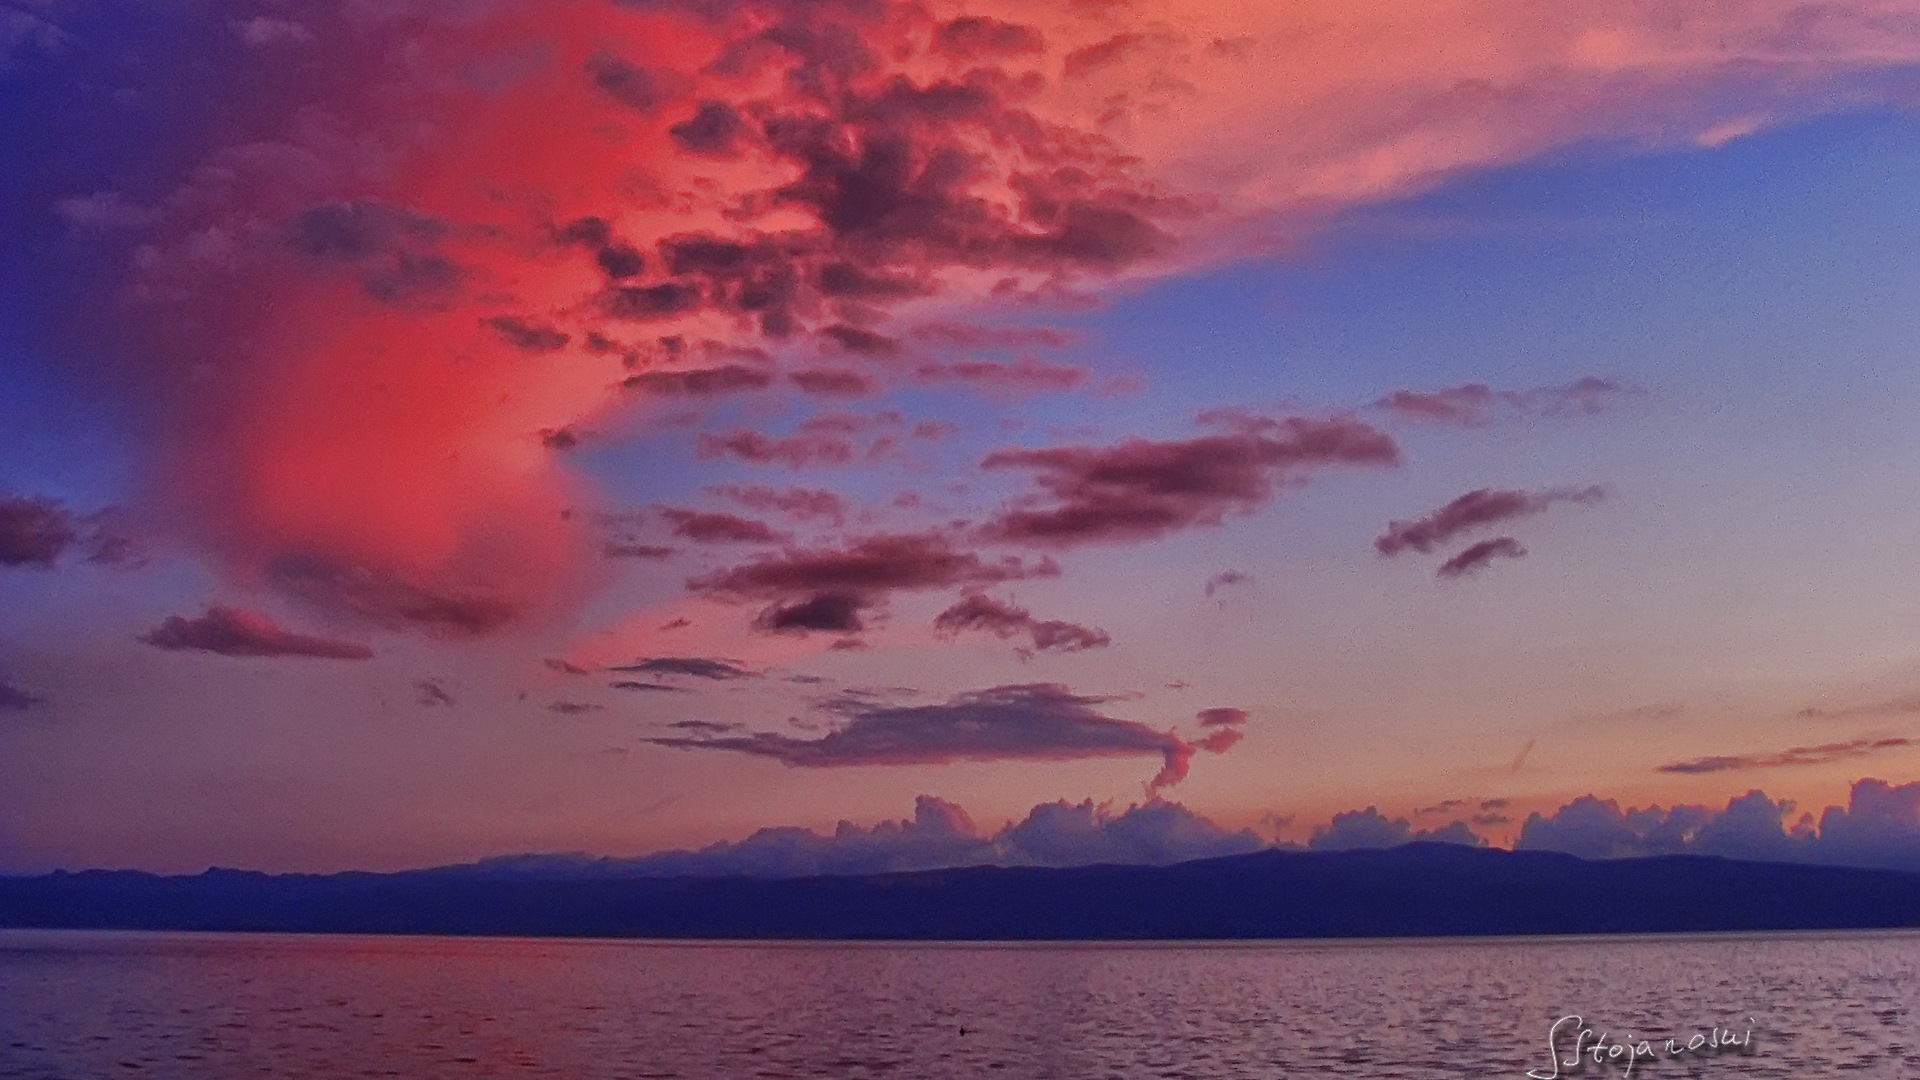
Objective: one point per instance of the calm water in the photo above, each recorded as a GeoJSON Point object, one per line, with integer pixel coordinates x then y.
{"type": "Point", "coordinates": [218, 1007]}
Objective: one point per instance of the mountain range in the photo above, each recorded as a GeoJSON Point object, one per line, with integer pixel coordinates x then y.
{"type": "Point", "coordinates": [1418, 890]}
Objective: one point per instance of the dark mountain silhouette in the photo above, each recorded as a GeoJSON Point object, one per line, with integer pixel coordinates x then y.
{"type": "Point", "coordinates": [1417, 890]}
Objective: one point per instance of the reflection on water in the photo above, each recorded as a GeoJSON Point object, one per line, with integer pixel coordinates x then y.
{"type": "Point", "coordinates": [218, 1007]}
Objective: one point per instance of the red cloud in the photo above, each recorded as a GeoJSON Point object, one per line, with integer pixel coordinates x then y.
{"type": "Point", "coordinates": [333, 319]}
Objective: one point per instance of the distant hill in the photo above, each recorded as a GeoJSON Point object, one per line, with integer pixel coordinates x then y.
{"type": "Point", "coordinates": [1412, 891]}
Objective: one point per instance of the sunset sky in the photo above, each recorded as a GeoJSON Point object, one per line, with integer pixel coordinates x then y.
{"type": "Point", "coordinates": [439, 429]}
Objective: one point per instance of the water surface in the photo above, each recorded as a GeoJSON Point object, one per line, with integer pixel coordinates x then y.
{"type": "Point", "coordinates": [223, 1007]}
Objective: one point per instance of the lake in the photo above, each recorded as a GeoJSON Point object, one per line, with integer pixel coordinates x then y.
{"type": "Point", "coordinates": [83, 1005]}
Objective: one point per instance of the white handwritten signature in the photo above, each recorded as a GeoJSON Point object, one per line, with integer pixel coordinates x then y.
{"type": "Point", "coordinates": [1572, 1044]}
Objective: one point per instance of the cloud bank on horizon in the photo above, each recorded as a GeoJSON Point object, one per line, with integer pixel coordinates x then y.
{"type": "Point", "coordinates": [1879, 828]}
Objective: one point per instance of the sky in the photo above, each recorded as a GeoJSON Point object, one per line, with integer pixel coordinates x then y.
{"type": "Point", "coordinates": [436, 430]}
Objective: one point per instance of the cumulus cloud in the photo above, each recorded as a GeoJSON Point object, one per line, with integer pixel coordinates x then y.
{"type": "Point", "coordinates": [1142, 489]}
{"type": "Point", "coordinates": [1030, 722]}
{"type": "Point", "coordinates": [979, 612]}
{"type": "Point", "coordinates": [1476, 509]}
{"type": "Point", "coordinates": [1879, 827]}
{"type": "Point", "coordinates": [227, 631]}
{"type": "Point", "coordinates": [941, 834]}
{"type": "Point", "coordinates": [1358, 830]}
{"type": "Point", "coordinates": [1475, 557]}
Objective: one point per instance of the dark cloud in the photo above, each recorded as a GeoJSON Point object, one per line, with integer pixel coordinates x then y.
{"type": "Point", "coordinates": [1477, 556]}
{"type": "Point", "coordinates": [620, 261]}
{"type": "Point", "coordinates": [14, 699]}
{"type": "Point", "coordinates": [232, 632]}
{"type": "Point", "coordinates": [527, 336]}
{"type": "Point", "coordinates": [1823, 754]}
{"type": "Point", "coordinates": [1226, 579]}
{"type": "Point", "coordinates": [1477, 404]}
{"type": "Point", "coordinates": [702, 382]}
{"type": "Point", "coordinates": [637, 551]}
{"type": "Point", "coordinates": [564, 667]}
{"type": "Point", "coordinates": [1084, 61]}
{"type": "Point", "coordinates": [1141, 489]}
{"type": "Point", "coordinates": [1222, 717]}
{"type": "Point", "coordinates": [1035, 722]}
{"type": "Point", "coordinates": [862, 342]}
{"type": "Point", "coordinates": [34, 531]}
{"type": "Point", "coordinates": [971, 37]}
{"type": "Point", "coordinates": [828, 382]}
{"type": "Point", "coordinates": [38, 532]}
{"type": "Point", "coordinates": [636, 87]}
{"type": "Point", "coordinates": [704, 727]}
{"type": "Point", "coordinates": [977, 611]}
{"type": "Point", "coordinates": [432, 693]}
{"type": "Point", "coordinates": [628, 684]}
{"type": "Point", "coordinates": [645, 303]}
{"type": "Point", "coordinates": [714, 668]}
{"type": "Point", "coordinates": [713, 528]}
{"type": "Point", "coordinates": [1476, 509]}
{"type": "Point", "coordinates": [828, 589]}
{"type": "Point", "coordinates": [565, 438]}
{"type": "Point", "coordinates": [574, 708]}
{"type": "Point", "coordinates": [800, 504]}
{"type": "Point", "coordinates": [716, 130]}
{"type": "Point", "coordinates": [354, 231]}
{"type": "Point", "coordinates": [390, 249]}
{"type": "Point", "coordinates": [833, 612]}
